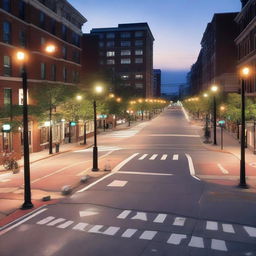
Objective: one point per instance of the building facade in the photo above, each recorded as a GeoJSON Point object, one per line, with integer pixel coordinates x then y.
{"type": "Point", "coordinates": [157, 83]}
{"type": "Point", "coordinates": [246, 42]}
{"type": "Point", "coordinates": [30, 25]}
{"type": "Point", "coordinates": [125, 53]}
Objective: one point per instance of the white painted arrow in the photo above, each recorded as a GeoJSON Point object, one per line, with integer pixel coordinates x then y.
{"type": "Point", "coordinates": [87, 213]}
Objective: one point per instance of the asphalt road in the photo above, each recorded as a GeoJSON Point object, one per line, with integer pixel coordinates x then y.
{"type": "Point", "coordinates": [153, 203]}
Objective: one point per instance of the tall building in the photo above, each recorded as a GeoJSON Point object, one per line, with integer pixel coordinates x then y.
{"type": "Point", "coordinates": [31, 25]}
{"type": "Point", "coordinates": [126, 55]}
{"type": "Point", "coordinates": [157, 83]}
{"type": "Point", "coordinates": [246, 42]}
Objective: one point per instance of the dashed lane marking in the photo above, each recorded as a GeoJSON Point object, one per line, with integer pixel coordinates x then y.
{"type": "Point", "coordinates": [118, 183]}
{"type": "Point", "coordinates": [174, 135]}
{"type": "Point", "coordinates": [146, 173]}
{"type": "Point", "coordinates": [223, 169]}
{"type": "Point", "coordinates": [191, 167]}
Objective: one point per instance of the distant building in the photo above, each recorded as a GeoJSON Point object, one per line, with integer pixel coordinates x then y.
{"type": "Point", "coordinates": [246, 42]}
{"type": "Point", "coordinates": [125, 53]}
{"type": "Point", "coordinates": [157, 83]}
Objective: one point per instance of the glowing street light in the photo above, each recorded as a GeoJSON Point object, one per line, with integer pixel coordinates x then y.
{"type": "Point", "coordinates": [50, 48]}
{"type": "Point", "coordinates": [214, 89]}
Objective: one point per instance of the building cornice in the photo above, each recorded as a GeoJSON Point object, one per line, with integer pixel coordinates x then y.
{"type": "Point", "coordinates": [246, 31]}
{"type": "Point", "coordinates": [246, 60]}
{"type": "Point", "coordinates": [240, 14]}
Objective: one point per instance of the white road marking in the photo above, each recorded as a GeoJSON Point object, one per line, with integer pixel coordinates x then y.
{"type": "Point", "coordinates": [140, 216]}
{"type": "Point", "coordinates": [211, 225]}
{"type": "Point", "coordinates": [228, 228]}
{"type": "Point", "coordinates": [251, 231]}
{"type": "Point", "coordinates": [164, 157]}
{"type": "Point", "coordinates": [143, 157]}
{"type": "Point", "coordinates": [160, 218]}
{"type": "Point", "coordinates": [6, 180]}
{"type": "Point", "coordinates": [54, 222]}
{"type": "Point", "coordinates": [219, 245]}
{"type": "Point", "coordinates": [66, 224]}
{"type": "Point", "coordinates": [80, 226]}
{"type": "Point", "coordinates": [174, 135]}
{"type": "Point", "coordinates": [87, 213]}
{"type": "Point", "coordinates": [96, 229]}
{"type": "Point", "coordinates": [100, 149]}
{"type": "Point", "coordinates": [176, 239]}
{"type": "Point", "coordinates": [148, 235]}
{"type": "Point", "coordinates": [179, 221]}
{"type": "Point", "coordinates": [124, 214]}
{"type": "Point", "coordinates": [223, 169]}
{"type": "Point", "coordinates": [196, 242]}
{"type": "Point", "coordinates": [191, 167]}
{"type": "Point", "coordinates": [111, 231]}
{"type": "Point", "coordinates": [129, 233]}
{"type": "Point", "coordinates": [185, 113]}
{"type": "Point", "coordinates": [5, 230]}
{"type": "Point", "coordinates": [118, 183]}
{"type": "Point", "coordinates": [175, 157]}
{"type": "Point", "coordinates": [147, 173]}
{"type": "Point", "coordinates": [45, 220]}
{"type": "Point", "coordinates": [153, 157]}
{"type": "Point", "coordinates": [117, 168]}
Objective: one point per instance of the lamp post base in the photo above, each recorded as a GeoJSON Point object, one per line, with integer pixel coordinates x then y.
{"type": "Point", "coordinates": [27, 206]}
{"type": "Point", "coordinates": [243, 185]}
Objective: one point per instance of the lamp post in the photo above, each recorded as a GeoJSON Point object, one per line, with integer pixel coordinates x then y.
{"type": "Point", "coordinates": [207, 132]}
{"type": "Point", "coordinates": [98, 90]}
{"type": "Point", "coordinates": [242, 184]}
{"type": "Point", "coordinates": [214, 89]}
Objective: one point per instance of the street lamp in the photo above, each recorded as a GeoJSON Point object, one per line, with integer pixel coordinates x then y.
{"type": "Point", "coordinates": [207, 132]}
{"type": "Point", "coordinates": [214, 89]}
{"type": "Point", "coordinates": [21, 57]}
{"type": "Point", "coordinates": [244, 74]}
{"type": "Point", "coordinates": [98, 90]}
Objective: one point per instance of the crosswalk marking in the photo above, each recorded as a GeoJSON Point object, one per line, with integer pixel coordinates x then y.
{"type": "Point", "coordinates": [196, 242]}
{"type": "Point", "coordinates": [211, 225]}
{"type": "Point", "coordinates": [160, 218]}
{"type": "Point", "coordinates": [111, 231]}
{"type": "Point", "coordinates": [54, 222]}
{"type": "Point", "coordinates": [228, 228]}
{"type": "Point", "coordinates": [219, 245]}
{"type": "Point", "coordinates": [95, 229]}
{"type": "Point", "coordinates": [153, 157]}
{"type": "Point", "coordinates": [66, 224]}
{"type": "Point", "coordinates": [251, 231]}
{"type": "Point", "coordinates": [176, 239]}
{"type": "Point", "coordinates": [140, 216]}
{"type": "Point", "coordinates": [164, 157]}
{"type": "Point", "coordinates": [143, 157]}
{"type": "Point", "coordinates": [124, 214]}
{"type": "Point", "coordinates": [175, 157]}
{"type": "Point", "coordinates": [80, 226]}
{"type": "Point", "coordinates": [118, 183]}
{"type": "Point", "coordinates": [179, 221]}
{"type": "Point", "coordinates": [46, 220]}
{"type": "Point", "coordinates": [129, 232]}
{"type": "Point", "coordinates": [148, 235]}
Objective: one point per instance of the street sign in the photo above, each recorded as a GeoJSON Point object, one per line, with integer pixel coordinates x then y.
{"type": "Point", "coordinates": [6, 128]}
{"type": "Point", "coordinates": [222, 122]}
{"type": "Point", "coordinates": [73, 123]}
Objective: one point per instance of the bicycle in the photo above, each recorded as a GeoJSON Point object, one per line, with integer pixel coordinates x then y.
{"type": "Point", "coordinates": [9, 162]}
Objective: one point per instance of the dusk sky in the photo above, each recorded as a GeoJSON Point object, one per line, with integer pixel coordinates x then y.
{"type": "Point", "coordinates": [177, 26]}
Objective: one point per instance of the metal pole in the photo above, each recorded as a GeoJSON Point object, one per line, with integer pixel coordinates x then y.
{"type": "Point", "coordinates": [254, 137]}
{"type": "Point", "coordinates": [50, 131]}
{"type": "Point", "coordinates": [242, 183]}
{"type": "Point", "coordinates": [214, 121]}
{"type": "Point", "coordinates": [27, 189]}
{"type": "Point", "coordinates": [221, 136]}
{"type": "Point", "coordinates": [85, 133]}
{"type": "Point", "coordinates": [95, 149]}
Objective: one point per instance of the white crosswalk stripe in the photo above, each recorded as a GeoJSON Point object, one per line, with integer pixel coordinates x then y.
{"type": "Point", "coordinates": [153, 157]}
{"type": "Point", "coordinates": [211, 225]}
{"type": "Point", "coordinates": [228, 228]}
{"type": "Point", "coordinates": [175, 157]}
{"type": "Point", "coordinates": [143, 157]}
{"type": "Point", "coordinates": [163, 157]}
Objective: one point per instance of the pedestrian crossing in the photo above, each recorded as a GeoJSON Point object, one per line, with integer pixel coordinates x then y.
{"type": "Point", "coordinates": [161, 157]}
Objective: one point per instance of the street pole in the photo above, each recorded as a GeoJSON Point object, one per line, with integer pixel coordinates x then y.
{"type": "Point", "coordinates": [221, 136]}
{"type": "Point", "coordinates": [85, 133]}
{"type": "Point", "coordinates": [27, 189]}
{"type": "Point", "coordinates": [254, 137]}
{"type": "Point", "coordinates": [95, 149]}
{"type": "Point", "coordinates": [242, 183]}
{"type": "Point", "coordinates": [214, 121]}
{"type": "Point", "coordinates": [50, 131]}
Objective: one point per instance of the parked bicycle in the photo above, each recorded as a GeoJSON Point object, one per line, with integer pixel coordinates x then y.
{"type": "Point", "coordinates": [9, 161]}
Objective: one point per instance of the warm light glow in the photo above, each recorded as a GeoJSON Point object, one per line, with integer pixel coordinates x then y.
{"type": "Point", "coordinates": [214, 88]}
{"type": "Point", "coordinates": [98, 89]}
{"type": "Point", "coordinates": [118, 99]}
{"type": "Point", "coordinates": [79, 97]}
{"type": "Point", "coordinates": [245, 71]}
{"type": "Point", "coordinates": [20, 56]}
{"type": "Point", "coordinates": [140, 100]}
{"type": "Point", "coordinates": [222, 108]}
{"type": "Point", "coordinates": [50, 48]}
{"type": "Point", "coordinates": [205, 95]}
{"type": "Point", "coordinates": [111, 95]}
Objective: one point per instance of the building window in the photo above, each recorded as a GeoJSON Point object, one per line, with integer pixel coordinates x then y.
{"type": "Point", "coordinates": [138, 52]}
{"type": "Point", "coordinates": [64, 32]}
{"type": "Point", "coordinates": [43, 71]}
{"type": "Point", "coordinates": [7, 32]}
{"type": "Point", "coordinates": [101, 44]}
{"type": "Point", "coordinates": [126, 61]}
{"type": "Point", "coordinates": [110, 54]}
{"type": "Point", "coordinates": [138, 76]}
{"type": "Point", "coordinates": [138, 42]}
{"type": "Point", "coordinates": [127, 84]}
{"type": "Point", "coordinates": [53, 72]}
{"type": "Point", "coordinates": [7, 66]}
{"type": "Point", "coordinates": [125, 35]}
{"type": "Point", "coordinates": [110, 62]}
{"type": "Point", "coordinates": [110, 35]}
{"type": "Point", "coordinates": [7, 96]}
{"type": "Point", "coordinates": [53, 26]}
{"type": "Point", "coordinates": [101, 36]}
{"type": "Point", "coordinates": [124, 77]}
{"type": "Point", "coordinates": [64, 52]}
{"type": "Point", "coordinates": [110, 44]}
{"type": "Point", "coordinates": [138, 60]}
{"type": "Point", "coordinates": [125, 43]}
{"type": "Point", "coordinates": [42, 41]}
{"type": "Point", "coordinates": [139, 85]}
{"type": "Point", "coordinates": [76, 56]}
{"type": "Point", "coordinates": [42, 20]}
{"type": "Point", "coordinates": [125, 52]}
{"type": "Point", "coordinates": [139, 33]}
{"type": "Point", "coordinates": [6, 5]}
{"type": "Point", "coordinates": [65, 74]}
{"type": "Point", "coordinates": [22, 39]}
{"type": "Point", "coordinates": [75, 39]}
{"type": "Point", "coordinates": [22, 8]}
{"type": "Point", "coordinates": [101, 62]}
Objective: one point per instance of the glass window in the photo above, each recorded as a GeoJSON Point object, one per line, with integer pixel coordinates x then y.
{"type": "Point", "coordinates": [101, 44]}
{"type": "Point", "coordinates": [110, 54]}
{"type": "Point", "coordinates": [101, 36]}
{"type": "Point", "coordinates": [22, 6]}
{"type": "Point", "coordinates": [125, 52]}
{"type": "Point", "coordinates": [139, 85]}
{"type": "Point", "coordinates": [65, 74]}
{"type": "Point", "coordinates": [139, 33]}
{"type": "Point", "coordinates": [42, 41]}
{"type": "Point", "coordinates": [7, 66]}
{"type": "Point", "coordinates": [125, 43]}
{"type": "Point", "coordinates": [7, 96]}
{"type": "Point", "coordinates": [124, 77]}
{"type": "Point", "coordinates": [126, 61]}
{"type": "Point", "coordinates": [64, 52]}
{"type": "Point", "coordinates": [138, 52]}
{"type": "Point", "coordinates": [125, 35]}
{"type": "Point", "coordinates": [43, 71]}
{"type": "Point", "coordinates": [6, 5]}
{"type": "Point", "coordinates": [110, 44]}
{"type": "Point", "coordinates": [110, 35]}
{"type": "Point", "coordinates": [75, 39]}
{"type": "Point", "coordinates": [138, 60]}
{"type": "Point", "coordinates": [22, 38]}
{"type": "Point", "coordinates": [138, 76]}
{"type": "Point", "coordinates": [42, 20]}
{"type": "Point", "coordinates": [138, 42]}
{"type": "Point", "coordinates": [53, 26]}
{"type": "Point", "coordinates": [7, 32]}
{"type": "Point", "coordinates": [127, 84]}
{"type": "Point", "coordinates": [64, 32]}
{"type": "Point", "coordinates": [110, 62]}
{"type": "Point", "coordinates": [53, 72]}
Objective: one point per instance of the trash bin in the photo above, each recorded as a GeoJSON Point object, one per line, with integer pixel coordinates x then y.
{"type": "Point", "coordinates": [57, 147]}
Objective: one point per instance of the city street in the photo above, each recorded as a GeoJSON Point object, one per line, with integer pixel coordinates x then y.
{"type": "Point", "coordinates": [167, 194]}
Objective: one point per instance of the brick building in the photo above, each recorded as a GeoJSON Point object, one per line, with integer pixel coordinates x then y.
{"type": "Point", "coordinates": [125, 54]}
{"type": "Point", "coordinates": [31, 25]}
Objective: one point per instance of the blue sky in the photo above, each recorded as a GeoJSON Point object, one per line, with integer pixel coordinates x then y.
{"type": "Point", "coordinates": [177, 26]}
